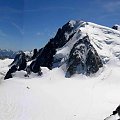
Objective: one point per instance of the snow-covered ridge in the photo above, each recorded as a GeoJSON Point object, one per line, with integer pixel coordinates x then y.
{"type": "Point", "coordinates": [104, 39]}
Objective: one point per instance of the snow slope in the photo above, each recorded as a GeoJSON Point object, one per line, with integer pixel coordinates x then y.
{"type": "Point", "coordinates": [54, 97]}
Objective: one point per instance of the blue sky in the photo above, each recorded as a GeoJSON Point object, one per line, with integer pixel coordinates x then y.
{"type": "Point", "coordinates": [29, 24]}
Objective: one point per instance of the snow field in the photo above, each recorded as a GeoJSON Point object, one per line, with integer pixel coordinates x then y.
{"type": "Point", "coordinates": [54, 97]}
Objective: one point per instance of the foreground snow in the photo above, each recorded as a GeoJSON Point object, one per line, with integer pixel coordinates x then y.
{"type": "Point", "coordinates": [54, 97]}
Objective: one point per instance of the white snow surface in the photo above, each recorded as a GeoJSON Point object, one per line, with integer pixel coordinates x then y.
{"type": "Point", "coordinates": [54, 97]}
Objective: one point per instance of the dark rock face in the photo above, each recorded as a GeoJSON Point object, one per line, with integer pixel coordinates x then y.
{"type": "Point", "coordinates": [10, 71]}
{"type": "Point", "coordinates": [60, 40]}
{"type": "Point", "coordinates": [93, 61]}
{"type": "Point", "coordinates": [115, 112]}
{"type": "Point", "coordinates": [115, 27]}
{"type": "Point", "coordinates": [19, 63]}
{"type": "Point", "coordinates": [22, 64]}
{"type": "Point", "coordinates": [35, 53]}
{"type": "Point", "coordinates": [83, 58]}
{"type": "Point", "coordinates": [46, 55]}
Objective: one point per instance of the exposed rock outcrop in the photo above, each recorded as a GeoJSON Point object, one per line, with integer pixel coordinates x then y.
{"type": "Point", "coordinates": [116, 27]}
{"type": "Point", "coordinates": [19, 63]}
{"type": "Point", "coordinates": [35, 53]}
{"type": "Point", "coordinates": [83, 58]}
{"type": "Point", "coordinates": [46, 54]}
{"type": "Point", "coordinates": [10, 71]}
{"type": "Point", "coordinates": [115, 115]}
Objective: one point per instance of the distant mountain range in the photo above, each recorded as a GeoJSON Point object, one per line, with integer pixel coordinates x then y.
{"type": "Point", "coordinates": [4, 53]}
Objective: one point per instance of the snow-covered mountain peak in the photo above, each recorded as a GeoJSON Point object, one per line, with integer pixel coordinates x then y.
{"type": "Point", "coordinates": [72, 23]}
{"type": "Point", "coordinates": [76, 23]}
{"type": "Point", "coordinates": [80, 47]}
{"type": "Point", "coordinates": [104, 39]}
